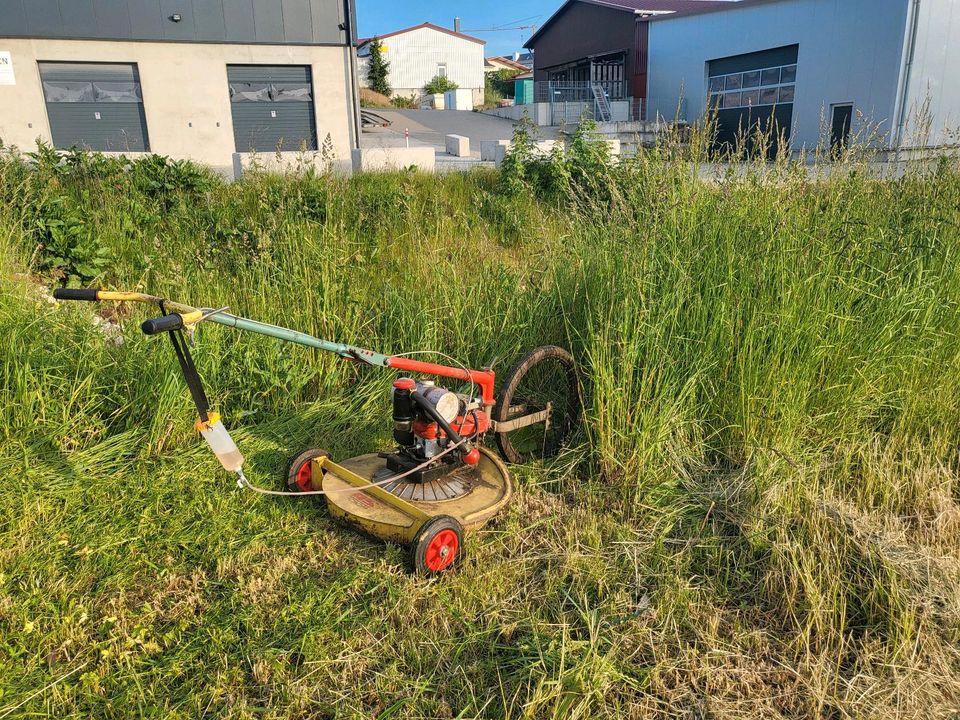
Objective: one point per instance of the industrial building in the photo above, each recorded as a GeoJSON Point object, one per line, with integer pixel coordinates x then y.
{"type": "Point", "coordinates": [419, 54]}
{"type": "Point", "coordinates": [591, 50]}
{"type": "Point", "coordinates": [815, 71]}
{"type": "Point", "coordinates": [204, 81]}
{"type": "Point", "coordinates": [883, 68]}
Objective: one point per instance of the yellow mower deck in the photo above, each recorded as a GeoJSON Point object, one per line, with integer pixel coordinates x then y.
{"type": "Point", "coordinates": [385, 515]}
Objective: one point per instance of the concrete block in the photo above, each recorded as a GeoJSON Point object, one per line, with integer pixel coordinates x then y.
{"type": "Point", "coordinates": [614, 146]}
{"type": "Point", "coordinates": [620, 110]}
{"type": "Point", "coordinates": [458, 145]}
{"type": "Point", "coordinates": [539, 113]}
{"type": "Point", "coordinates": [381, 159]}
{"type": "Point", "coordinates": [493, 150]}
{"type": "Point", "coordinates": [545, 147]}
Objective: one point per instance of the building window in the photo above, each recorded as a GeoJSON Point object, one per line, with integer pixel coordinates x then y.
{"type": "Point", "coordinates": [442, 70]}
{"type": "Point", "coordinates": [770, 77]}
{"type": "Point", "coordinates": [96, 106]}
{"type": "Point", "coordinates": [768, 96]}
{"type": "Point", "coordinates": [773, 85]}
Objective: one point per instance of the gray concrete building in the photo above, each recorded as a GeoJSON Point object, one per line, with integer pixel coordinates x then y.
{"type": "Point", "coordinates": [204, 80]}
{"type": "Point", "coordinates": [823, 69]}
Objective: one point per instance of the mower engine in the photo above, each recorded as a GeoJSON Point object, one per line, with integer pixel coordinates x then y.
{"type": "Point", "coordinates": [426, 420]}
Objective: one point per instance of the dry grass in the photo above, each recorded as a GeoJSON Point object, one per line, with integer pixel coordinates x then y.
{"type": "Point", "coordinates": [372, 99]}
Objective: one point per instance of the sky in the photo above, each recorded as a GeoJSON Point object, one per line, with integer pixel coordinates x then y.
{"type": "Point", "coordinates": [378, 17]}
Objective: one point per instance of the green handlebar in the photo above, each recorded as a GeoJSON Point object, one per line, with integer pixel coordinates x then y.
{"type": "Point", "coordinates": [294, 336]}
{"type": "Point", "coordinates": [180, 316]}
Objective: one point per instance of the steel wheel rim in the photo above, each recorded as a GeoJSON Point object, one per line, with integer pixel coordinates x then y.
{"type": "Point", "coordinates": [537, 440]}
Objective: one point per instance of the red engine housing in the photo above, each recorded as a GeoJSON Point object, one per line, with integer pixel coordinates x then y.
{"type": "Point", "coordinates": [475, 422]}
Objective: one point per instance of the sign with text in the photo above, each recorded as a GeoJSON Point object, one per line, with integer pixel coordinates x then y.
{"type": "Point", "coordinates": [6, 69]}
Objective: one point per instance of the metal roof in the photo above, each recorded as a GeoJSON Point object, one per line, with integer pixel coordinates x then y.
{"type": "Point", "coordinates": [673, 7]}
{"type": "Point", "coordinates": [655, 8]}
{"type": "Point", "coordinates": [427, 25]}
{"type": "Point", "coordinates": [504, 60]}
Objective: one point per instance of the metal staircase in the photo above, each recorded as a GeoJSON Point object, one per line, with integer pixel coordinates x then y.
{"type": "Point", "coordinates": [601, 103]}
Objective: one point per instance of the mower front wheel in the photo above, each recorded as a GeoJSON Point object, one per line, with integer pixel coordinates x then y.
{"type": "Point", "coordinates": [300, 474]}
{"type": "Point", "coordinates": [438, 546]}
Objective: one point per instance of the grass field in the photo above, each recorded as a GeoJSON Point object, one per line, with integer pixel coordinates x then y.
{"type": "Point", "coordinates": [759, 518]}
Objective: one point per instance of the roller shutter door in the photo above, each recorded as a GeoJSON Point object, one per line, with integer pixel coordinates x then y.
{"type": "Point", "coordinates": [97, 106]}
{"type": "Point", "coordinates": [272, 107]}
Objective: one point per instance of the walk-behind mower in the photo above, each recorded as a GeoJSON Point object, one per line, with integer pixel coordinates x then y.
{"type": "Point", "coordinates": [441, 482]}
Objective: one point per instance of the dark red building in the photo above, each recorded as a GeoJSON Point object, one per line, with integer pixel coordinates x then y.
{"type": "Point", "coordinates": [601, 42]}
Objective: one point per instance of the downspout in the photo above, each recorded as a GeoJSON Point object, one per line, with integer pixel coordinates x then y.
{"type": "Point", "coordinates": [349, 29]}
{"type": "Point", "coordinates": [904, 90]}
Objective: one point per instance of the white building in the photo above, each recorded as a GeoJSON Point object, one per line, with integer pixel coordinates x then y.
{"type": "Point", "coordinates": [823, 68]}
{"type": "Point", "coordinates": [418, 54]}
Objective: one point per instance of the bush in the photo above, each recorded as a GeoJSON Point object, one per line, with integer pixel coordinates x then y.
{"type": "Point", "coordinates": [401, 101]}
{"type": "Point", "coordinates": [499, 84]}
{"type": "Point", "coordinates": [439, 84]}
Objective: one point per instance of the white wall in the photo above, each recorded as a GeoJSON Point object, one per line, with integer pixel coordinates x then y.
{"type": "Point", "coordinates": [850, 52]}
{"type": "Point", "coordinates": [539, 113]}
{"type": "Point", "coordinates": [415, 55]}
{"type": "Point", "coordinates": [934, 81]}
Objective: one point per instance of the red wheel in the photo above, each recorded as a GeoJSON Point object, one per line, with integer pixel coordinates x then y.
{"type": "Point", "coordinates": [442, 551]}
{"type": "Point", "coordinates": [300, 474]}
{"type": "Point", "coordinates": [438, 546]}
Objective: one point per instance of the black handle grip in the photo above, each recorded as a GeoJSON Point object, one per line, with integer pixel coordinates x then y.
{"type": "Point", "coordinates": [167, 323]}
{"type": "Point", "coordinates": [75, 294]}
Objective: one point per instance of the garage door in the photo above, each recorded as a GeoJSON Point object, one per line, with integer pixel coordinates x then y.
{"type": "Point", "coordinates": [98, 106]}
{"type": "Point", "coordinates": [754, 92]}
{"type": "Point", "coordinates": [272, 107]}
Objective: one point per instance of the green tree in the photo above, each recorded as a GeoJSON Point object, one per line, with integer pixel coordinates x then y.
{"type": "Point", "coordinates": [500, 84]}
{"type": "Point", "coordinates": [377, 69]}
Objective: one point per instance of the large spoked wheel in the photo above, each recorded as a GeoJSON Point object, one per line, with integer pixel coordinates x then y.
{"type": "Point", "coordinates": [544, 379]}
{"type": "Point", "coordinates": [300, 474]}
{"type": "Point", "coordinates": [438, 546]}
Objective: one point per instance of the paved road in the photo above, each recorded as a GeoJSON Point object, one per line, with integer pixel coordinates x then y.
{"type": "Point", "coordinates": [429, 127]}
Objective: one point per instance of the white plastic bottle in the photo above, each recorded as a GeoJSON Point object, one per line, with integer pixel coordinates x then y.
{"type": "Point", "coordinates": [221, 443]}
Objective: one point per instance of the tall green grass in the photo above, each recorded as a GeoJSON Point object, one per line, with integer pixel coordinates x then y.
{"type": "Point", "coordinates": [758, 518]}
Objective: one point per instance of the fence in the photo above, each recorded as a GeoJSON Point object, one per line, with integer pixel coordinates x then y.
{"type": "Point", "coordinates": [600, 101]}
